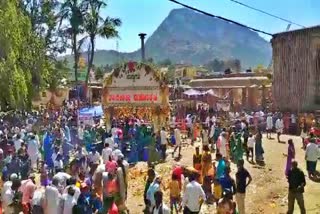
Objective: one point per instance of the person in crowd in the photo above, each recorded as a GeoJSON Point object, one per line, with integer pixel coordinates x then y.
{"type": "Point", "coordinates": [52, 198]}
{"type": "Point", "coordinates": [164, 142]}
{"type": "Point", "coordinates": [106, 153]}
{"type": "Point", "coordinates": [11, 199]}
{"type": "Point", "coordinates": [205, 136]}
{"type": "Point", "coordinates": [28, 188]}
{"type": "Point", "coordinates": [251, 143]}
{"type": "Point", "coordinates": [33, 151]}
{"type": "Point", "coordinates": [269, 125]}
{"type": "Point", "coordinates": [206, 162]}
{"type": "Point", "coordinates": [221, 166]}
{"type": "Point", "coordinates": [122, 180]}
{"type": "Point", "coordinates": [223, 144]}
{"type": "Point", "coordinates": [217, 190]}
{"type": "Point", "coordinates": [290, 156]}
{"type": "Point", "coordinates": [197, 158]}
{"type": "Point", "coordinates": [68, 201]}
{"type": "Point", "coordinates": [304, 133]}
{"type": "Point", "coordinates": [297, 182]}
{"type": "Point", "coordinates": [175, 193]}
{"type": "Point", "coordinates": [150, 178]}
{"type": "Point", "coordinates": [37, 201]}
{"type": "Point", "coordinates": [258, 147]}
{"type": "Point", "coordinates": [227, 182]}
{"type": "Point", "coordinates": [177, 137]}
{"type": "Point", "coordinates": [279, 128]}
{"type": "Point", "coordinates": [193, 196]}
{"type": "Point", "coordinates": [211, 134]}
{"type": "Point", "coordinates": [226, 204]}
{"type": "Point", "coordinates": [160, 207]}
{"type": "Point", "coordinates": [153, 188]}
{"type": "Point", "coordinates": [311, 156]}
{"type": "Point", "coordinates": [243, 179]}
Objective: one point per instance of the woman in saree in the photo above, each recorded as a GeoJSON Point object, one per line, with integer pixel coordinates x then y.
{"type": "Point", "coordinates": [238, 149]}
{"type": "Point", "coordinates": [206, 164]}
{"type": "Point", "coordinates": [290, 156]}
{"type": "Point", "coordinates": [232, 142]}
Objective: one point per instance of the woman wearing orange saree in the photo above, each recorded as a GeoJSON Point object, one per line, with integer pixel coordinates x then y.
{"type": "Point", "coordinates": [206, 164]}
{"type": "Point", "coordinates": [197, 157]}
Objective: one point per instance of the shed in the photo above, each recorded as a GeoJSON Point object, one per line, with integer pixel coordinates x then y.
{"type": "Point", "coordinates": [296, 66]}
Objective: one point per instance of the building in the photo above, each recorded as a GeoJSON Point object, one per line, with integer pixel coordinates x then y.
{"type": "Point", "coordinates": [250, 92]}
{"type": "Point", "coordinates": [185, 72]}
{"type": "Point", "coordinates": [296, 67]}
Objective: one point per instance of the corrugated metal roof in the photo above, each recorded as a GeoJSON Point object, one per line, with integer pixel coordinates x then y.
{"type": "Point", "coordinates": [231, 82]}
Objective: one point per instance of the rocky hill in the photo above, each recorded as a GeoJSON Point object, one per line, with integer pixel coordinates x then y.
{"type": "Point", "coordinates": [189, 37]}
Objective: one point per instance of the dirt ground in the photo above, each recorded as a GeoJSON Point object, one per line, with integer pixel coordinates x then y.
{"type": "Point", "coordinates": [266, 194]}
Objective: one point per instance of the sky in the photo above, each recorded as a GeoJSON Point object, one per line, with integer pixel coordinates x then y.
{"type": "Point", "coordinates": [146, 15]}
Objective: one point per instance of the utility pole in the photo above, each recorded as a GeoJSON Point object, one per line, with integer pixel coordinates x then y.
{"type": "Point", "coordinates": [142, 37]}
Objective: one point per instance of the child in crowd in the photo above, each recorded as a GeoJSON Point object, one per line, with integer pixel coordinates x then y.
{"type": "Point", "coordinates": [175, 191]}
{"type": "Point", "coordinates": [150, 177]}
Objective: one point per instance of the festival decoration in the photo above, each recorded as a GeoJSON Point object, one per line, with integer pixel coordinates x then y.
{"type": "Point", "coordinates": [136, 89]}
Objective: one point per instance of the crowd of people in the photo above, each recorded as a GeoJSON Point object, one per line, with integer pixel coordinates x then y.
{"type": "Point", "coordinates": [52, 163]}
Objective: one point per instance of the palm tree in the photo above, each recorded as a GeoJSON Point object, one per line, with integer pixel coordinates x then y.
{"type": "Point", "coordinates": [95, 26]}
{"type": "Point", "coordinates": [73, 11]}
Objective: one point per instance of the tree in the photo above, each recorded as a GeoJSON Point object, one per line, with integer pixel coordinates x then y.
{"type": "Point", "coordinates": [14, 34]}
{"type": "Point", "coordinates": [73, 11]}
{"type": "Point", "coordinates": [215, 65]}
{"type": "Point", "coordinates": [233, 64]}
{"type": "Point", "coordinates": [166, 62]}
{"type": "Point", "coordinates": [99, 72]}
{"type": "Point", "coordinates": [95, 26]}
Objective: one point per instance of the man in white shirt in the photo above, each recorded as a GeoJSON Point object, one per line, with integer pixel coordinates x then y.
{"type": "Point", "coordinates": [269, 125]}
{"type": "Point", "coordinates": [17, 142]}
{"type": "Point", "coordinates": [106, 153]}
{"type": "Point", "coordinates": [279, 127]}
{"type": "Point", "coordinates": [164, 142]}
{"type": "Point", "coordinates": [33, 151]}
{"type": "Point", "coordinates": [68, 201]}
{"type": "Point", "coordinates": [8, 196]}
{"type": "Point", "coordinates": [52, 198]}
{"type": "Point", "coordinates": [72, 183]}
{"type": "Point", "coordinates": [81, 132]}
{"type": "Point", "coordinates": [177, 136]}
{"type": "Point", "coordinates": [193, 196]}
{"type": "Point", "coordinates": [211, 134]}
{"type": "Point", "coordinates": [311, 156]}
{"type": "Point", "coordinates": [110, 141]}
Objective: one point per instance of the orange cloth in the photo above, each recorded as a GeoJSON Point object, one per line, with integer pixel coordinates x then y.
{"type": "Point", "coordinates": [175, 189]}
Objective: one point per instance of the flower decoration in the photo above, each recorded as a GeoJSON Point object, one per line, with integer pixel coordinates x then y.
{"type": "Point", "coordinates": [131, 66]}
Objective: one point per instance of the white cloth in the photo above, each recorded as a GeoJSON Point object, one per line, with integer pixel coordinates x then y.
{"type": "Point", "coordinates": [106, 153]}
{"type": "Point", "coordinates": [165, 209]}
{"type": "Point", "coordinates": [223, 144]}
{"type": "Point", "coordinates": [205, 137]}
{"type": "Point", "coordinates": [293, 118]}
{"type": "Point", "coordinates": [191, 196]}
{"type": "Point", "coordinates": [212, 130]}
{"type": "Point", "coordinates": [279, 125]}
{"type": "Point", "coordinates": [80, 133]}
{"type": "Point", "coordinates": [94, 158]}
{"type": "Point", "coordinates": [68, 203]}
{"type": "Point", "coordinates": [17, 144]}
{"type": "Point", "coordinates": [251, 142]}
{"type": "Point", "coordinates": [110, 141]}
{"type": "Point", "coordinates": [62, 177]}
{"type": "Point", "coordinates": [177, 136]}
{"type": "Point", "coordinates": [269, 123]}
{"type": "Point", "coordinates": [52, 200]}
{"type": "Point", "coordinates": [7, 199]}
{"type": "Point", "coordinates": [33, 148]}
{"type": "Point", "coordinates": [312, 152]}
{"type": "Point", "coordinates": [163, 137]}
{"type": "Point", "coordinates": [115, 154]}
{"type": "Point", "coordinates": [38, 197]}
{"type": "Point", "coordinates": [77, 191]}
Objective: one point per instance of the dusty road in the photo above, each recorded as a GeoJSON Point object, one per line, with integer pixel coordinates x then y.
{"type": "Point", "coordinates": [266, 194]}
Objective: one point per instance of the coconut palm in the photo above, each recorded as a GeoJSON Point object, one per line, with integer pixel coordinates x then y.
{"type": "Point", "coordinates": [96, 26]}
{"type": "Point", "coordinates": [73, 12]}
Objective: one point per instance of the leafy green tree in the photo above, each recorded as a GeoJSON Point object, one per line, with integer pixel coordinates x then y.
{"type": "Point", "coordinates": [165, 62]}
{"type": "Point", "coordinates": [73, 12]}
{"type": "Point", "coordinates": [14, 34]}
{"type": "Point", "coordinates": [95, 26]}
{"type": "Point", "coordinates": [99, 72]}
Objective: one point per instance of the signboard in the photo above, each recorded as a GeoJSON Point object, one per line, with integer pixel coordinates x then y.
{"type": "Point", "coordinates": [134, 96]}
{"type": "Point", "coordinates": [223, 105]}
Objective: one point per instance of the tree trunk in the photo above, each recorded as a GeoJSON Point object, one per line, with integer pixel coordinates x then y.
{"type": "Point", "coordinates": [76, 57]}
{"type": "Point", "coordinates": [91, 59]}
